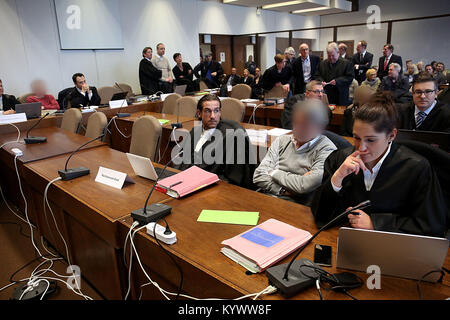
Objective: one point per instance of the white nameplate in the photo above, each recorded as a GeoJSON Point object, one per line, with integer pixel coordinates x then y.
{"type": "Point", "coordinates": [13, 118]}
{"type": "Point", "coordinates": [112, 178]}
{"type": "Point", "coordinates": [114, 104]}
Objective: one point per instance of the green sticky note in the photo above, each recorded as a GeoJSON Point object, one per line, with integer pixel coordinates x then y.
{"type": "Point", "coordinates": [163, 121]}
{"type": "Point", "coordinates": [231, 217]}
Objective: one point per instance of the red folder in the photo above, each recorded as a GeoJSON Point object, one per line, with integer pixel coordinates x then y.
{"type": "Point", "coordinates": [186, 182]}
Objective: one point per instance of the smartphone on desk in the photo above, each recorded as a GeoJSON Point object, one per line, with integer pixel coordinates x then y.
{"type": "Point", "coordinates": [322, 255]}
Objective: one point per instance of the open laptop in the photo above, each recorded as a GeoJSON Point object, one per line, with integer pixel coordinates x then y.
{"type": "Point", "coordinates": [181, 89]}
{"type": "Point", "coordinates": [397, 254]}
{"type": "Point", "coordinates": [32, 110]}
{"type": "Point", "coordinates": [143, 167]}
{"type": "Point", "coordinates": [119, 96]}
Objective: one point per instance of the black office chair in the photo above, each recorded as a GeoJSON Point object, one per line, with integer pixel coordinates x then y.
{"type": "Point", "coordinates": [439, 161]}
{"type": "Point", "coordinates": [62, 98]}
{"type": "Point", "coordinates": [338, 141]}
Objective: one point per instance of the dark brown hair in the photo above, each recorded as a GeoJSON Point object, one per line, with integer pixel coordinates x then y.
{"type": "Point", "coordinates": [380, 112]}
{"type": "Point", "coordinates": [424, 76]}
{"type": "Point", "coordinates": [145, 50]}
{"type": "Point", "coordinates": [208, 97]}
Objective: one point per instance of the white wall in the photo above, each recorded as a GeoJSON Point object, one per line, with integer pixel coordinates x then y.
{"type": "Point", "coordinates": [30, 43]}
{"type": "Point", "coordinates": [425, 40]}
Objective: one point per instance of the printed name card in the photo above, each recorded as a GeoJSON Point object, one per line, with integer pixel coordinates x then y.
{"type": "Point", "coordinates": [13, 118]}
{"type": "Point", "coordinates": [114, 104]}
{"type": "Point", "coordinates": [112, 178]}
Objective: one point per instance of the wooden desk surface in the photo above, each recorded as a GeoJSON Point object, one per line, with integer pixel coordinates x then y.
{"type": "Point", "coordinates": [110, 202]}
{"type": "Point", "coordinates": [59, 142]}
{"type": "Point", "coordinates": [199, 244]}
{"type": "Point", "coordinates": [166, 116]}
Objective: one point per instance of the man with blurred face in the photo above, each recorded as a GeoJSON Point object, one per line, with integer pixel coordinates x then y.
{"type": "Point", "coordinates": [293, 166]}
{"type": "Point", "coordinates": [217, 145]}
{"type": "Point", "coordinates": [397, 84]}
{"type": "Point", "coordinates": [425, 112]}
{"type": "Point", "coordinates": [7, 102]}
{"type": "Point", "coordinates": [162, 63]}
{"type": "Point", "coordinates": [336, 75]}
{"type": "Point", "coordinates": [304, 68]}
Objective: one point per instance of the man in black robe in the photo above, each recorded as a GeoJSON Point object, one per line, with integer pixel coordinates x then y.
{"type": "Point", "coordinates": [149, 75]}
{"type": "Point", "coordinates": [278, 75]}
{"type": "Point", "coordinates": [336, 75]}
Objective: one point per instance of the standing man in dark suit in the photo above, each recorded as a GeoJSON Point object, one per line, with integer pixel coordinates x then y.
{"type": "Point", "coordinates": [83, 95]}
{"type": "Point", "coordinates": [425, 112]}
{"type": "Point", "coordinates": [304, 68]}
{"type": "Point", "coordinates": [362, 61]}
{"type": "Point", "coordinates": [388, 58]}
{"type": "Point", "coordinates": [211, 71]}
{"type": "Point", "coordinates": [7, 102]}
{"type": "Point", "coordinates": [278, 75]}
{"type": "Point", "coordinates": [336, 75]}
{"type": "Point", "coordinates": [343, 52]}
{"type": "Point", "coordinates": [149, 75]}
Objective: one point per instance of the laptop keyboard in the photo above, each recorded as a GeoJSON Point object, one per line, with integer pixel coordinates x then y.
{"type": "Point", "coordinates": [165, 174]}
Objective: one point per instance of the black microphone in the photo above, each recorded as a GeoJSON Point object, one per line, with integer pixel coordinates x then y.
{"type": "Point", "coordinates": [155, 211]}
{"type": "Point", "coordinates": [280, 277]}
{"type": "Point", "coordinates": [33, 140]}
{"type": "Point", "coordinates": [119, 114]}
{"type": "Point", "coordinates": [69, 174]}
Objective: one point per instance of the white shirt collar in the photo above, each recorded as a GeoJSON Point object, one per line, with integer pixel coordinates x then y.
{"type": "Point", "coordinates": [306, 145]}
{"type": "Point", "coordinates": [427, 111]}
{"type": "Point", "coordinates": [158, 56]}
{"type": "Point", "coordinates": [148, 59]}
{"type": "Point", "coordinates": [369, 177]}
{"type": "Point", "coordinates": [389, 57]}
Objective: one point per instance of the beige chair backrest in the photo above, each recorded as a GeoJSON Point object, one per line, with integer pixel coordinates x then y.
{"type": "Point", "coordinates": [96, 125]}
{"type": "Point", "coordinates": [106, 93]}
{"type": "Point", "coordinates": [203, 85]}
{"type": "Point", "coordinates": [232, 109]}
{"type": "Point", "coordinates": [241, 91]}
{"type": "Point", "coordinates": [71, 120]}
{"type": "Point", "coordinates": [145, 137]}
{"type": "Point", "coordinates": [23, 98]}
{"type": "Point", "coordinates": [275, 92]}
{"type": "Point", "coordinates": [170, 103]}
{"type": "Point", "coordinates": [187, 106]}
{"type": "Point", "coordinates": [126, 87]}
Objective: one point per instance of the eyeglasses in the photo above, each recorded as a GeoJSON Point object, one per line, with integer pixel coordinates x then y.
{"type": "Point", "coordinates": [426, 92]}
{"type": "Point", "coordinates": [317, 91]}
{"type": "Point", "coordinates": [209, 111]}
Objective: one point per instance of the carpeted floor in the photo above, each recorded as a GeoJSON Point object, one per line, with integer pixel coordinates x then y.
{"type": "Point", "coordinates": [16, 251]}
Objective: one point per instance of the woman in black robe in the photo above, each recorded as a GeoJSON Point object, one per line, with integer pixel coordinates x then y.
{"type": "Point", "coordinates": [183, 73]}
{"type": "Point", "coordinates": [403, 189]}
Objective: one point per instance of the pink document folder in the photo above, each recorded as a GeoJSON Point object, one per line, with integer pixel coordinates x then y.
{"type": "Point", "coordinates": [268, 242]}
{"type": "Point", "coordinates": [186, 182]}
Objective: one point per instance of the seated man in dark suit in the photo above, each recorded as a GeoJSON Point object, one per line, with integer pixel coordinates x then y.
{"type": "Point", "coordinates": [233, 79]}
{"type": "Point", "coordinates": [278, 75]}
{"type": "Point", "coordinates": [7, 102]}
{"type": "Point", "coordinates": [304, 68]}
{"type": "Point", "coordinates": [397, 84]}
{"type": "Point", "coordinates": [218, 146]}
{"type": "Point", "coordinates": [362, 61]}
{"type": "Point", "coordinates": [388, 58]}
{"type": "Point", "coordinates": [425, 112]}
{"type": "Point", "coordinates": [149, 75]}
{"type": "Point", "coordinates": [336, 75]}
{"type": "Point", "coordinates": [83, 95]}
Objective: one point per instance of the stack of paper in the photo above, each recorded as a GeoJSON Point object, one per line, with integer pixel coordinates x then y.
{"type": "Point", "coordinates": [257, 136]}
{"type": "Point", "coordinates": [276, 132]}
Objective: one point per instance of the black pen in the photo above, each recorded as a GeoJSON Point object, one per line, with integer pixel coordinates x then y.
{"type": "Point", "coordinates": [175, 184]}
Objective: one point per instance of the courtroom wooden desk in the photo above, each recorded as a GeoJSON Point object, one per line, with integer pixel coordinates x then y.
{"type": "Point", "coordinates": [208, 273]}
{"type": "Point", "coordinates": [87, 212]}
{"type": "Point", "coordinates": [125, 125]}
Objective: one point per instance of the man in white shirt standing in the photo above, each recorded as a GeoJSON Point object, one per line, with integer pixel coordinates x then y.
{"type": "Point", "coordinates": [304, 68]}
{"type": "Point", "coordinates": [160, 62]}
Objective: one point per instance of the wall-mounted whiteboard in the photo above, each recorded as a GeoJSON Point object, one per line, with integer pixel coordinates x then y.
{"type": "Point", "coordinates": [89, 24]}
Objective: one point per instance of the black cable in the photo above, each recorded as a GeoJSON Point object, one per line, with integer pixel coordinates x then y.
{"type": "Point", "coordinates": [424, 276]}
{"type": "Point", "coordinates": [170, 256]}
{"type": "Point", "coordinates": [24, 266]}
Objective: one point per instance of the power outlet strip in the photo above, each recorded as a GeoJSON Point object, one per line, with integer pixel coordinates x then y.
{"type": "Point", "coordinates": [166, 238]}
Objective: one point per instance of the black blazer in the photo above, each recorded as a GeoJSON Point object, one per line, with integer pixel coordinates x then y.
{"type": "Point", "coordinates": [364, 65]}
{"type": "Point", "coordinates": [236, 80]}
{"type": "Point", "coordinates": [248, 81]}
{"type": "Point", "coordinates": [238, 174]}
{"type": "Point", "coordinates": [384, 72]}
{"type": "Point", "coordinates": [297, 68]}
{"type": "Point", "coordinates": [148, 77]}
{"type": "Point", "coordinates": [406, 196]}
{"type": "Point", "coordinates": [342, 72]}
{"type": "Point", "coordinates": [185, 73]}
{"type": "Point", "coordinates": [212, 67]}
{"type": "Point", "coordinates": [272, 76]}
{"type": "Point", "coordinates": [437, 120]}
{"type": "Point", "coordinates": [9, 102]}
{"type": "Point", "coordinates": [77, 99]}
{"type": "Point", "coordinates": [399, 89]}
